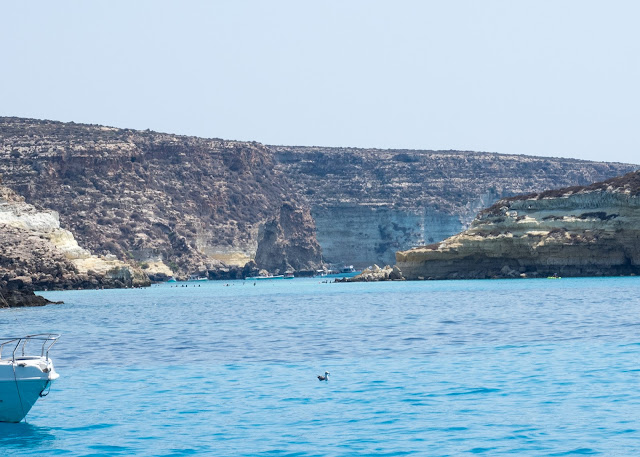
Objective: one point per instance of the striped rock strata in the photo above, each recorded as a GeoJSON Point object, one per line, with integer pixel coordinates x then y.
{"type": "Point", "coordinates": [36, 254]}
{"type": "Point", "coordinates": [576, 231]}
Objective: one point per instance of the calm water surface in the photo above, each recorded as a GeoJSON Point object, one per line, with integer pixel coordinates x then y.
{"type": "Point", "coordinates": [438, 368]}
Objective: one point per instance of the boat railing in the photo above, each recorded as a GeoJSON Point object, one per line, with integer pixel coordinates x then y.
{"type": "Point", "coordinates": [45, 342]}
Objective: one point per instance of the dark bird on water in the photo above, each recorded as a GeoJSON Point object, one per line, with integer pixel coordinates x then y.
{"type": "Point", "coordinates": [325, 377]}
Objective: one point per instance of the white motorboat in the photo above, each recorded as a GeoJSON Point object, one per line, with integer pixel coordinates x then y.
{"type": "Point", "coordinates": [24, 376]}
{"type": "Point", "coordinates": [198, 278]}
{"type": "Point", "coordinates": [258, 278]}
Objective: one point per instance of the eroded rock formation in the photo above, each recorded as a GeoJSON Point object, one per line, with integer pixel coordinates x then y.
{"type": "Point", "coordinates": [375, 273]}
{"type": "Point", "coordinates": [577, 231]}
{"type": "Point", "coordinates": [288, 243]}
{"type": "Point", "coordinates": [36, 254]}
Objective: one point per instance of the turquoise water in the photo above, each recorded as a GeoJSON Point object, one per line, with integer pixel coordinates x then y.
{"type": "Point", "coordinates": [436, 368]}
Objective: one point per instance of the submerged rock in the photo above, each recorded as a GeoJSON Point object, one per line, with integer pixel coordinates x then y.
{"type": "Point", "coordinates": [21, 298]}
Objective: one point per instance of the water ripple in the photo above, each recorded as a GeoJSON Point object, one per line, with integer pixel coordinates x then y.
{"type": "Point", "coordinates": [424, 368]}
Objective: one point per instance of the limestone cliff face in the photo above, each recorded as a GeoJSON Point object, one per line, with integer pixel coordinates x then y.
{"type": "Point", "coordinates": [577, 231]}
{"type": "Point", "coordinates": [287, 242]}
{"type": "Point", "coordinates": [172, 203]}
{"type": "Point", "coordinates": [370, 203]}
{"type": "Point", "coordinates": [36, 254]}
{"type": "Point", "coordinates": [362, 235]}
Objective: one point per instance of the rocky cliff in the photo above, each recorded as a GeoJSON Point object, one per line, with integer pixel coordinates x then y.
{"type": "Point", "coordinates": [185, 205]}
{"type": "Point", "coordinates": [287, 242]}
{"type": "Point", "coordinates": [577, 231]}
{"type": "Point", "coordinates": [36, 254]}
{"type": "Point", "coordinates": [369, 203]}
{"type": "Point", "coordinates": [174, 204]}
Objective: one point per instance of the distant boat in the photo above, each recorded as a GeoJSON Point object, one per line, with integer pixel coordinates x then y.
{"type": "Point", "coordinates": [198, 278]}
{"type": "Point", "coordinates": [24, 376]}
{"type": "Point", "coordinates": [172, 279]}
{"type": "Point", "coordinates": [258, 278]}
{"type": "Point", "coordinates": [288, 275]}
{"type": "Point", "coordinates": [346, 271]}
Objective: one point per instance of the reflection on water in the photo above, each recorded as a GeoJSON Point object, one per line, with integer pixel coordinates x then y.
{"type": "Point", "coordinates": [24, 435]}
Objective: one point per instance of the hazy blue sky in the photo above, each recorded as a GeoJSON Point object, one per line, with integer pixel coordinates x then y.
{"type": "Point", "coordinates": [553, 78]}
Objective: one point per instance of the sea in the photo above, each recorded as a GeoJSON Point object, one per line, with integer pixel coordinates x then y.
{"type": "Point", "coordinates": [527, 367]}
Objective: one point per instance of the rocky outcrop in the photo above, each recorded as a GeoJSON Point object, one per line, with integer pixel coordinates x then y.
{"type": "Point", "coordinates": [174, 204]}
{"type": "Point", "coordinates": [577, 231]}
{"type": "Point", "coordinates": [36, 254]}
{"type": "Point", "coordinates": [288, 243]}
{"type": "Point", "coordinates": [25, 259]}
{"type": "Point", "coordinates": [375, 273]}
{"type": "Point", "coordinates": [369, 203]}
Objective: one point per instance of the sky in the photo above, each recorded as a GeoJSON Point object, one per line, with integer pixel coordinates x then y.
{"type": "Point", "coordinates": [556, 78]}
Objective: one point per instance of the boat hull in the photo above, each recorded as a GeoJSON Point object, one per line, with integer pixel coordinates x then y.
{"type": "Point", "coordinates": [21, 383]}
